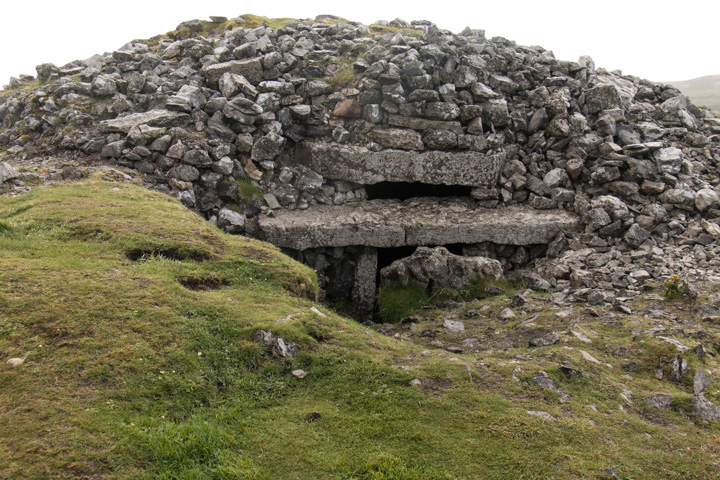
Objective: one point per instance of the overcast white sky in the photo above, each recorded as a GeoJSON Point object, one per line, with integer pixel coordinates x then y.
{"type": "Point", "coordinates": [654, 39]}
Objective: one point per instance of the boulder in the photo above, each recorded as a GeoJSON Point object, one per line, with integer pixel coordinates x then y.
{"type": "Point", "coordinates": [231, 221]}
{"type": "Point", "coordinates": [435, 267]}
{"type": "Point", "coordinates": [7, 172]}
{"type": "Point", "coordinates": [705, 199]}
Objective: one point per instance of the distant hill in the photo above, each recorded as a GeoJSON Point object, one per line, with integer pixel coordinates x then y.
{"type": "Point", "coordinates": [702, 90]}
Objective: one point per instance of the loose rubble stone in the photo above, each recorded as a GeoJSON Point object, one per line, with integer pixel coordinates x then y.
{"type": "Point", "coordinates": [548, 339]}
{"type": "Point", "coordinates": [543, 415]}
{"type": "Point", "coordinates": [231, 221]}
{"type": "Point", "coordinates": [7, 172]}
{"type": "Point", "coordinates": [278, 345]}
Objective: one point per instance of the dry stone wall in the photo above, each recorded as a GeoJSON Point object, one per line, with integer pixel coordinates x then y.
{"type": "Point", "coordinates": [250, 126]}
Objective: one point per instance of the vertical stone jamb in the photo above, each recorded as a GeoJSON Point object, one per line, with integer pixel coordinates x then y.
{"type": "Point", "coordinates": [363, 293]}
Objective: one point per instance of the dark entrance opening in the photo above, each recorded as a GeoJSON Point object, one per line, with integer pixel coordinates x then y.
{"type": "Point", "coordinates": [405, 190]}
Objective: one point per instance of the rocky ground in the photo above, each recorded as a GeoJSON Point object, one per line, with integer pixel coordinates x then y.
{"type": "Point", "coordinates": [516, 335]}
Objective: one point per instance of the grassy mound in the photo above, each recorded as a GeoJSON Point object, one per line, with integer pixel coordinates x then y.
{"type": "Point", "coordinates": [137, 323]}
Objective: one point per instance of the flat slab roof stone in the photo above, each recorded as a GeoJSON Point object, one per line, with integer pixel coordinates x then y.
{"type": "Point", "coordinates": [414, 222]}
{"type": "Point", "coordinates": [358, 164]}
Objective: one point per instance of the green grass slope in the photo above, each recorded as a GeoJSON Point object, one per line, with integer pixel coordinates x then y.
{"type": "Point", "coordinates": [138, 323]}
{"type": "Point", "coordinates": [702, 91]}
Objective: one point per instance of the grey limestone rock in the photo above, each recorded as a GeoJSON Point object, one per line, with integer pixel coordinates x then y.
{"type": "Point", "coordinates": [404, 139]}
{"type": "Point", "coordinates": [435, 267]}
{"type": "Point", "coordinates": [700, 382]}
{"type": "Point", "coordinates": [251, 69]}
{"type": "Point", "coordinates": [231, 84]}
{"type": "Point", "coordinates": [636, 235]}
{"type": "Point", "coordinates": [668, 160]}
{"type": "Point", "coordinates": [704, 409]}
{"type": "Point", "coordinates": [152, 118]}
{"type": "Point", "coordinates": [231, 221]}
{"type": "Point", "coordinates": [602, 97]}
{"type": "Point", "coordinates": [705, 199]}
{"type": "Point", "coordinates": [545, 340]}
{"type": "Point", "coordinates": [278, 345]}
{"type": "Point", "coordinates": [659, 401]}
{"type": "Point", "coordinates": [7, 172]}
{"type": "Point", "coordinates": [188, 98]}
{"type": "Point", "coordinates": [104, 86]}
{"type": "Point", "coordinates": [186, 173]}
{"type": "Point", "coordinates": [420, 221]}
{"type": "Point", "coordinates": [268, 147]}
{"type": "Point", "coordinates": [360, 165]}
{"type": "Point", "coordinates": [543, 380]}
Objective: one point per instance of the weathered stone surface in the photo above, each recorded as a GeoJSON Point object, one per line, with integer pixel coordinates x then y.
{"type": "Point", "coordinates": [153, 118]}
{"type": "Point", "coordinates": [636, 235]}
{"type": "Point", "coordinates": [278, 345]}
{"type": "Point", "coordinates": [230, 84]}
{"type": "Point", "coordinates": [7, 172]}
{"type": "Point", "coordinates": [363, 293]}
{"type": "Point", "coordinates": [422, 123]}
{"type": "Point", "coordinates": [704, 409]}
{"type": "Point", "coordinates": [700, 382]}
{"type": "Point", "coordinates": [550, 338]}
{"type": "Point", "coordinates": [436, 267]}
{"type": "Point", "coordinates": [231, 221]}
{"type": "Point", "coordinates": [419, 221]}
{"type": "Point", "coordinates": [242, 110]}
{"type": "Point", "coordinates": [185, 173]}
{"type": "Point", "coordinates": [404, 139]}
{"type": "Point", "coordinates": [495, 112]}
{"type": "Point", "coordinates": [706, 199]}
{"type": "Point", "coordinates": [187, 98]}
{"type": "Point", "coordinates": [602, 97]}
{"type": "Point", "coordinates": [349, 108]}
{"type": "Point", "coordinates": [268, 147]}
{"type": "Point", "coordinates": [251, 69]}
{"type": "Point", "coordinates": [360, 165]}
{"type": "Point", "coordinates": [668, 160]}
{"type": "Point", "coordinates": [442, 111]}
{"type": "Point", "coordinates": [659, 400]}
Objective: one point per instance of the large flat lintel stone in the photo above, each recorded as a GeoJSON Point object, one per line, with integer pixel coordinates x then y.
{"type": "Point", "coordinates": [360, 165]}
{"type": "Point", "coordinates": [414, 222]}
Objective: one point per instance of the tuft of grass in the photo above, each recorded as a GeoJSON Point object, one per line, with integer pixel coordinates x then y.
{"type": "Point", "coordinates": [396, 301]}
{"type": "Point", "coordinates": [344, 77]}
{"type": "Point", "coordinates": [247, 189]}
{"type": "Point", "coordinates": [251, 21]}
{"type": "Point", "coordinates": [387, 467]}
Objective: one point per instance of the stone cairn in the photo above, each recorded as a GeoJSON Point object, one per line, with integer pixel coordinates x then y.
{"type": "Point", "coordinates": [334, 140]}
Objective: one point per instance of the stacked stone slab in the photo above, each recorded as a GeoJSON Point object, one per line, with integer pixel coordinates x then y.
{"type": "Point", "coordinates": [312, 112]}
